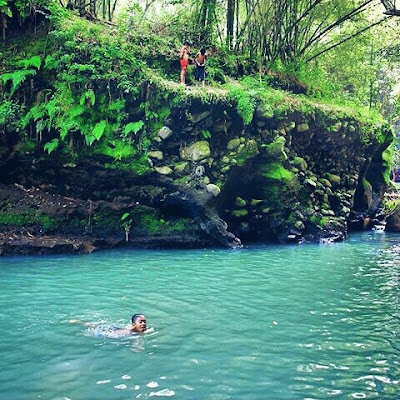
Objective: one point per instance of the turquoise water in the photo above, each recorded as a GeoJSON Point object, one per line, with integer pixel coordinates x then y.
{"type": "Point", "coordinates": [276, 322]}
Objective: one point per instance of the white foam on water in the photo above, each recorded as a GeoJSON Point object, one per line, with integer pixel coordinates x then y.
{"type": "Point", "coordinates": [121, 387]}
{"type": "Point", "coordinates": [359, 395]}
{"type": "Point", "coordinates": [136, 387]}
{"type": "Point", "coordinates": [152, 385]}
{"type": "Point", "coordinates": [163, 393]}
{"type": "Point", "coordinates": [125, 377]}
{"type": "Point", "coordinates": [103, 382]}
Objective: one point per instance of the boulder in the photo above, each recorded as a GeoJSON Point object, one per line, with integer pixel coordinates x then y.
{"type": "Point", "coordinates": [255, 202]}
{"type": "Point", "coordinates": [164, 170]}
{"type": "Point", "coordinates": [182, 168]}
{"type": "Point", "coordinates": [302, 127]}
{"type": "Point", "coordinates": [310, 183]}
{"type": "Point", "coordinates": [194, 118]}
{"type": "Point", "coordinates": [232, 144]}
{"type": "Point", "coordinates": [326, 182]}
{"type": "Point", "coordinates": [239, 202]}
{"type": "Point", "coordinates": [276, 149]}
{"type": "Point", "coordinates": [196, 152]}
{"type": "Point", "coordinates": [299, 225]}
{"type": "Point", "coordinates": [334, 179]}
{"type": "Point", "coordinates": [164, 132]}
{"type": "Point", "coordinates": [265, 111]}
{"type": "Point", "coordinates": [300, 163]}
{"type": "Point", "coordinates": [213, 189]}
{"type": "Point", "coordinates": [225, 169]}
{"type": "Point", "coordinates": [157, 155]}
{"type": "Point", "coordinates": [240, 213]}
{"type": "Point", "coordinates": [393, 220]}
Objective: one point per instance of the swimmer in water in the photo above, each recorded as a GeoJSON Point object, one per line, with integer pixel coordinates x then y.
{"type": "Point", "coordinates": [139, 325]}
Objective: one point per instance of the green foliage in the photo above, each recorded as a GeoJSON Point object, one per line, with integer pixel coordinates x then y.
{"type": "Point", "coordinates": [387, 162]}
{"type": "Point", "coordinates": [319, 220]}
{"type": "Point", "coordinates": [17, 78]}
{"type": "Point", "coordinates": [4, 8]}
{"type": "Point", "coordinates": [118, 149]}
{"type": "Point", "coordinates": [34, 61]}
{"type": "Point", "coordinates": [389, 205]}
{"type": "Point", "coordinates": [206, 134]}
{"type": "Point", "coordinates": [127, 221]}
{"type": "Point", "coordinates": [134, 127]}
{"type": "Point", "coordinates": [28, 218]}
{"type": "Point", "coordinates": [277, 171]}
{"type": "Point", "coordinates": [97, 132]}
{"type": "Point", "coordinates": [10, 115]}
{"type": "Point", "coordinates": [88, 98]}
{"type": "Point", "coordinates": [150, 221]}
{"type": "Point", "coordinates": [244, 102]}
{"type": "Point", "coordinates": [51, 146]}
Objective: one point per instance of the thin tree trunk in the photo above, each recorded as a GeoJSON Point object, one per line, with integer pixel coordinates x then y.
{"type": "Point", "coordinates": [230, 18]}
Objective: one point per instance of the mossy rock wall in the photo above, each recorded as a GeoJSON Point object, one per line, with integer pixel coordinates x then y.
{"type": "Point", "coordinates": [297, 174]}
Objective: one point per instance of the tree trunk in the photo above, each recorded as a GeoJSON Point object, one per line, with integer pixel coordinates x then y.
{"type": "Point", "coordinates": [230, 17]}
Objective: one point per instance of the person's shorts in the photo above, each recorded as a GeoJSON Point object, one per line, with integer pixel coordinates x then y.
{"type": "Point", "coordinates": [184, 64]}
{"type": "Point", "coordinates": [200, 74]}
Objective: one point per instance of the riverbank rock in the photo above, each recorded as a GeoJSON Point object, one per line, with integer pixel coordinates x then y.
{"type": "Point", "coordinates": [196, 152]}
{"type": "Point", "coordinates": [393, 220]}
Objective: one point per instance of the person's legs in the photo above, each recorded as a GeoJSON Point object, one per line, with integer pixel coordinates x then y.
{"type": "Point", "coordinates": [183, 73]}
{"type": "Point", "coordinates": [202, 76]}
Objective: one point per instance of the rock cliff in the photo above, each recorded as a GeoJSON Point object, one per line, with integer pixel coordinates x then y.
{"type": "Point", "coordinates": [205, 179]}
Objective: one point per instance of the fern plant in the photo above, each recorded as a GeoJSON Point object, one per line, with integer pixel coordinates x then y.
{"type": "Point", "coordinates": [34, 61]}
{"type": "Point", "coordinates": [134, 127]}
{"type": "Point", "coordinates": [51, 146]}
{"type": "Point", "coordinates": [17, 78]}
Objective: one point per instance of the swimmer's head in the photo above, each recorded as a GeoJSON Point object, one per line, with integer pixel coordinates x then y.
{"type": "Point", "coordinates": [139, 323]}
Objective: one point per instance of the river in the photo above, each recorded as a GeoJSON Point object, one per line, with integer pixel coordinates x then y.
{"type": "Point", "coordinates": [271, 322]}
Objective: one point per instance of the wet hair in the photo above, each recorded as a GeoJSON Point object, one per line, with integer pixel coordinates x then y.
{"type": "Point", "coordinates": [203, 51]}
{"type": "Point", "coordinates": [186, 43]}
{"type": "Point", "coordinates": [135, 317]}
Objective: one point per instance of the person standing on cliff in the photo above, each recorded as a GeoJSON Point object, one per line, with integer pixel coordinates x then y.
{"type": "Point", "coordinates": [200, 63]}
{"type": "Point", "coordinates": [184, 60]}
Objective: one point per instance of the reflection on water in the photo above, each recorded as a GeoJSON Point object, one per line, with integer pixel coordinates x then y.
{"type": "Point", "coordinates": [293, 322]}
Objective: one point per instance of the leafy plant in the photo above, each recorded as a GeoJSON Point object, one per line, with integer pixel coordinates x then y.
{"type": "Point", "coordinates": [206, 134]}
{"type": "Point", "coordinates": [97, 132]}
{"type": "Point", "coordinates": [17, 78]}
{"type": "Point", "coordinates": [134, 127]}
{"type": "Point", "coordinates": [127, 221]}
{"type": "Point", "coordinates": [51, 146]}
{"type": "Point", "coordinates": [34, 61]}
{"type": "Point", "coordinates": [89, 97]}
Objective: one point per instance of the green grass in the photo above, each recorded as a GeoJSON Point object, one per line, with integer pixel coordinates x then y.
{"type": "Point", "coordinates": [277, 171]}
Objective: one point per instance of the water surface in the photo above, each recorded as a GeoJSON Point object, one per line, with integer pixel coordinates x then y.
{"type": "Point", "coordinates": [276, 322]}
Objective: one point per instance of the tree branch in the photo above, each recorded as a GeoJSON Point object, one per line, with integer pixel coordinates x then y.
{"type": "Point", "coordinates": [348, 38]}
{"type": "Point", "coordinates": [349, 15]}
